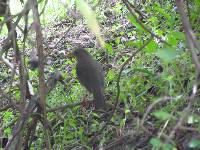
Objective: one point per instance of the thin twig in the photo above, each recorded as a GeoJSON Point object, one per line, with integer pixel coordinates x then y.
{"type": "Point", "coordinates": [127, 3]}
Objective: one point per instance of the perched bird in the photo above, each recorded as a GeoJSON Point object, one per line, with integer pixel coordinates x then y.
{"type": "Point", "coordinates": [90, 75]}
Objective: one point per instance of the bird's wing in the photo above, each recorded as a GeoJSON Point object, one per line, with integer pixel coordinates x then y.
{"type": "Point", "coordinates": [91, 77]}
{"type": "Point", "coordinates": [85, 76]}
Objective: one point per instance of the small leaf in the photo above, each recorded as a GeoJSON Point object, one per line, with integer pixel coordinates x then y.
{"type": "Point", "coordinates": [162, 115]}
{"type": "Point", "coordinates": [129, 43]}
{"type": "Point", "coordinates": [72, 123]}
{"type": "Point", "coordinates": [134, 22]}
{"type": "Point", "coordinates": [174, 37]}
{"type": "Point", "coordinates": [192, 119]}
{"type": "Point", "coordinates": [117, 41]}
{"type": "Point", "coordinates": [73, 72]}
{"type": "Point", "coordinates": [194, 144]}
{"type": "Point", "coordinates": [7, 131]}
{"type": "Point", "coordinates": [161, 11]}
{"type": "Point", "coordinates": [111, 75]}
{"type": "Point", "coordinates": [122, 123]}
{"type": "Point", "coordinates": [109, 48]}
{"type": "Point", "coordinates": [80, 132]}
{"type": "Point", "coordinates": [151, 47]}
{"type": "Point", "coordinates": [127, 111]}
{"type": "Point", "coordinates": [155, 142]}
{"type": "Point", "coordinates": [167, 54]}
{"type": "Point", "coordinates": [121, 33]}
{"type": "Point", "coordinates": [7, 115]}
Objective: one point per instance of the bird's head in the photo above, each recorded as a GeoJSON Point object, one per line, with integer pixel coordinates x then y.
{"type": "Point", "coordinates": [81, 53]}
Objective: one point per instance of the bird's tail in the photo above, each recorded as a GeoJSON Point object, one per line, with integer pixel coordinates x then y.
{"type": "Point", "coordinates": [99, 99]}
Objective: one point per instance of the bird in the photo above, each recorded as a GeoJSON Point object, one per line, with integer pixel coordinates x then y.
{"type": "Point", "coordinates": [90, 74]}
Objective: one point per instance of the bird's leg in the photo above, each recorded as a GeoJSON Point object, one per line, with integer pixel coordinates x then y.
{"type": "Point", "coordinates": [84, 104]}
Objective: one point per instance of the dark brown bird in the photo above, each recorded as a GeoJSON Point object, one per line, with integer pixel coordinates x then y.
{"type": "Point", "coordinates": [91, 76]}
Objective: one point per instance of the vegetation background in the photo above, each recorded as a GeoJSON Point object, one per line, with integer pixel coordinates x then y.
{"type": "Point", "coordinates": [149, 50]}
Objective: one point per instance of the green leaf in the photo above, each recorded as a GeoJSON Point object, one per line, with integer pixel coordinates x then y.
{"type": "Point", "coordinates": [162, 115]}
{"type": "Point", "coordinates": [155, 142]}
{"type": "Point", "coordinates": [192, 119]}
{"type": "Point", "coordinates": [95, 115]}
{"type": "Point", "coordinates": [73, 72]}
{"type": "Point", "coordinates": [127, 111]}
{"type": "Point", "coordinates": [72, 123]}
{"type": "Point", "coordinates": [90, 17]}
{"type": "Point", "coordinates": [65, 129]}
{"type": "Point", "coordinates": [122, 123]}
{"type": "Point", "coordinates": [194, 144]}
{"type": "Point", "coordinates": [174, 37]}
{"type": "Point", "coordinates": [167, 54]}
{"type": "Point", "coordinates": [8, 115]}
{"type": "Point", "coordinates": [117, 40]}
{"type": "Point", "coordinates": [151, 47]}
{"type": "Point", "coordinates": [7, 131]}
{"type": "Point", "coordinates": [161, 11]}
{"type": "Point", "coordinates": [134, 22]}
{"type": "Point", "coordinates": [168, 147]}
{"type": "Point", "coordinates": [122, 33]}
{"type": "Point", "coordinates": [80, 132]}
{"type": "Point", "coordinates": [129, 43]}
{"type": "Point", "coordinates": [111, 75]}
{"type": "Point", "coordinates": [109, 48]}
